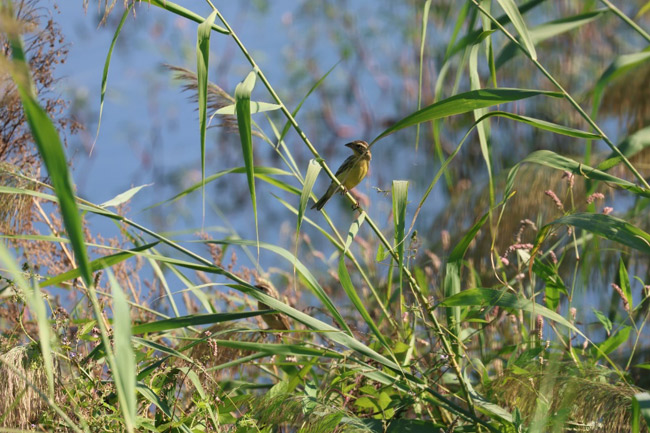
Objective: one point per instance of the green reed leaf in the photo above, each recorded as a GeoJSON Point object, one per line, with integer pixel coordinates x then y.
{"type": "Point", "coordinates": [510, 8]}
{"type": "Point", "coordinates": [400, 199]}
{"type": "Point", "coordinates": [96, 265]}
{"type": "Point", "coordinates": [124, 197]}
{"type": "Point", "coordinates": [107, 64]}
{"type": "Point", "coordinates": [185, 13]}
{"type": "Point", "coordinates": [202, 65]}
{"type": "Point", "coordinates": [124, 369]}
{"type": "Point", "coordinates": [243, 99]}
{"type": "Point", "coordinates": [464, 103]}
{"type": "Point", "coordinates": [50, 147]}
{"type": "Point", "coordinates": [549, 30]}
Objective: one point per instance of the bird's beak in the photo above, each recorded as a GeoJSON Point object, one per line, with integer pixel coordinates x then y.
{"type": "Point", "coordinates": [350, 145]}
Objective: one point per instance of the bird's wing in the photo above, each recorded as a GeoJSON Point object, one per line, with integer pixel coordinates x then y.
{"type": "Point", "coordinates": [349, 162]}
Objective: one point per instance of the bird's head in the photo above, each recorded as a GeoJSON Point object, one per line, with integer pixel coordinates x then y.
{"type": "Point", "coordinates": [266, 288]}
{"type": "Point", "coordinates": [359, 147]}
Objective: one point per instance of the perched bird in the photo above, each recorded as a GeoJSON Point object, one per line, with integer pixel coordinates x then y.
{"type": "Point", "coordinates": [351, 172]}
{"type": "Point", "coordinates": [274, 321]}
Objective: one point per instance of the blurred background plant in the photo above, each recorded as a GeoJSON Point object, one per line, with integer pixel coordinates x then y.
{"type": "Point", "coordinates": [503, 288]}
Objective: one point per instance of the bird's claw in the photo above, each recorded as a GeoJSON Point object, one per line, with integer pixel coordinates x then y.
{"type": "Point", "coordinates": [356, 206]}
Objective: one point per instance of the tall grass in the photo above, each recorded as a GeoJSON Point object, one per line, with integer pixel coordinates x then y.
{"type": "Point", "coordinates": [492, 338]}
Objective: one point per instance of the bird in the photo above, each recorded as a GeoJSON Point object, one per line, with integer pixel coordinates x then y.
{"type": "Point", "coordinates": [278, 322]}
{"type": "Point", "coordinates": [351, 172]}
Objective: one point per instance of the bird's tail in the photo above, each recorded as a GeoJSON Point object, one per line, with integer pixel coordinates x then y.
{"type": "Point", "coordinates": [325, 198]}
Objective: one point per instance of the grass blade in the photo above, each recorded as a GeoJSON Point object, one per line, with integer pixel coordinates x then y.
{"type": "Point", "coordinates": [49, 146]}
{"type": "Point", "coordinates": [510, 8]}
{"type": "Point", "coordinates": [490, 297]}
{"type": "Point", "coordinates": [312, 173]}
{"type": "Point", "coordinates": [124, 370]}
{"type": "Point", "coordinates": [202, 66]}
{"type": "Point", "coordinates": [400, 199]}
{"type": "Point", "coordinates": [641, 404]}
{"type": "Point", "coordinates": [423, 39]}
{"type": "Point", "coordinates": [260, 172]}
{"type": "Point", "coordinates": [309, 278]}
{"type": "Point", "coordinates": [192, 320]}
{"type": "Point", "coordinates": [256, 107]}
{"type": "Point", "coordinates": [243, 99]}
{"type": "Point", "coordinates": [107, 64]}
{"type": "Point", "coordinates": [35, 301]}
{"type": "Point", "coordinates": [549, 30]}
{"type": "Point", "coordinates": [185, 13]}
{"type": "Point", "coordinates": [348, 287]}
{"type": "Point", "coordinates": [554, 160]}
{"type": "Point", "coordinates": [464, 103]}
{"type": "Point", "coordinates": [124, 197]}
{"type": "Point", "coordinates": [607, 226]}
{"type": "Point", "coordinates": [96, 265]}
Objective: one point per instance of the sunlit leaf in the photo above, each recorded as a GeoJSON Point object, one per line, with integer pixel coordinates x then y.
{"type": "Point", "coordinates": [510, 8]}
{"type": "Point", "coordinates": [243, 99]}
{"type": "Point", "coordinates": [50, 147]}
{"type": "Point", "coordinates": [256, 107]}
{"type": "Point", "coordinates": [202, 65]}
{"type": "Point", "coordinates": [464, 103]}
{"type": "Point", "coordinates": [124, 370]}
{"type": "Point", "coordinates": [550, 30]}
{"type": "Point", "coordinates": [107, 64]}
{"type": "Point", "coordinates": [124, 197]}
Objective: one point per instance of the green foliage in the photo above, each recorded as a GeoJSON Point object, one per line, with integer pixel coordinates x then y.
{"type": "Point", "coordinates": [488, 338]}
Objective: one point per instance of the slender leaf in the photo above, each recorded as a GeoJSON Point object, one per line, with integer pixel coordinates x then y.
{"type": "Point", "coordinates": [464, 103]}
{"type": "Point", "coordinates": [608, 227]}
{"type": "Point", "coordinates": [202, 66]}
{"type": "Point", "coordinates": [124, 370]}
{"type": "Point", "coordinates": [400, 198]}
{"type": "Point", "coordinates": [98, 264]}
{"type": "Point", "coordinates": [423, 40]}
{"type": "Point", "coordinates": [510, 8]}
{"type": "Point", "coordinates": [469, 38]}
{"type": "Point", "coordinates": [185, 13]}
{"type": "Point", "coordinates": [260, 172]}
{"type": "Point", "coordinates": [620, 66]}
{"type": "Point", "coordinates": [34, 298]}
{"type": "Point", "coordinates": [124, 197]}
{"type": "Point", "coordinates": [554, 160]}
{"type": "Point", "coordinates": [312, 173]}
{"type": "Point", "coordinates": [256, 107]}
{"type": "Point", "coordinates": [348, 287]}
{"type": "Point", "coordinates": [49, 146]}
{"type": "Point", "coordinates": [625, 283]}
{"type": "Point", "coordinates": [490, 297]}
{"type": "Point", "coordinates": [107, 64]}
{"type": "Point", "coordinates": [483, 128]}
{"type": "Point", "coordinates": [302, 101]}
{"type": "Point", "coordinates": [549, 30]}
{"type": "Point", "coordinates": [453, 270]}
{"type": "Point", "coordinates": [642, 403]}
{"type": "Point", "coordinates": [192, 320]}
{"type": "Point", "coordinates": [630, 146]}
{"type": "Point", "coordinates": [309, 278]}
{"type": "Point", "coordinates": [613, 342]}
{"type": "Point", "coordinates": [243, 99]}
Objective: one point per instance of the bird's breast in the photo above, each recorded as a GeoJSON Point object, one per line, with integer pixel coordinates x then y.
{"type": "Point", "coordinates": [356, 175]}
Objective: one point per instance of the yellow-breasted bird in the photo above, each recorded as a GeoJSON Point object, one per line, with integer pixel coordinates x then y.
{"type": "Point", "coordinates": [351, 172]}
{"type": "Point", "coordinates": [274, 321]}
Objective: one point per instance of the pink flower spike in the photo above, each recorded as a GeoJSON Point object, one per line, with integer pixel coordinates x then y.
{"type": "Point", "coordinates": [607, 210]}
{"type": "Point", "coordinates": [556, 200]}
{"type": "Point", "coordinates": [594, 196]}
